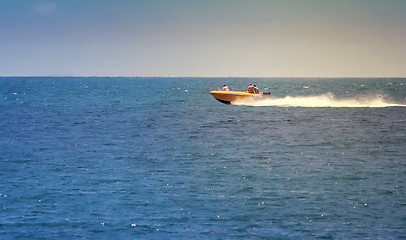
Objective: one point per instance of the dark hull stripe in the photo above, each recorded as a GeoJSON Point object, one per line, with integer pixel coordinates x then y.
{"type": "Point", "coordinates": [222, 101]}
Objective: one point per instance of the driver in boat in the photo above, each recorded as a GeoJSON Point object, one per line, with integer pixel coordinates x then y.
{"type": "Point", "coordinates": [256, 90]}
{"type": "Point", "coordinates": [251, 88]}
{"type": "Point", "coordinates": [225, 88]}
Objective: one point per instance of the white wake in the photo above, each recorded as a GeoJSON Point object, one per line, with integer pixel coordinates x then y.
{"type": "Point", "coordinates": [324, 100]}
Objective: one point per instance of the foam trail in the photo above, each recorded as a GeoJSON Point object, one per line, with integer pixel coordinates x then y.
{"type": "Point", "coordinates": [324, 100]}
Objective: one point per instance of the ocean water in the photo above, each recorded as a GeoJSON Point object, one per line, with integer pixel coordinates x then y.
{"type": "Point", "coordinates": [159, 158]}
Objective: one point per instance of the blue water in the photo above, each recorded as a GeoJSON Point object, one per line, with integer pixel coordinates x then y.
{"type": "Point", "coordinates": [159, 158]}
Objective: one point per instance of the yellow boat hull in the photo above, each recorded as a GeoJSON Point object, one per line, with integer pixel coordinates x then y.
{"type": "Point", "coordinates": [228, 97]}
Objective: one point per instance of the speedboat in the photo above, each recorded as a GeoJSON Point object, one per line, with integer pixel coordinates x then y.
{"type": "Point", "coordinates": [228, 97]}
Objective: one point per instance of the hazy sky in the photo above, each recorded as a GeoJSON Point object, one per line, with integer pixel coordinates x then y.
{"type": "Point", "coordinates": [263, 38]}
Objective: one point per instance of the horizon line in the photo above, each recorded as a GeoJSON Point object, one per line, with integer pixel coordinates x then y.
{"type": "Point", "coordinates": [118, 76]}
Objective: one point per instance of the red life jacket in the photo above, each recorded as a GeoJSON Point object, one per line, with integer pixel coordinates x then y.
{"type": "Point", "coordinates": [250, 89]}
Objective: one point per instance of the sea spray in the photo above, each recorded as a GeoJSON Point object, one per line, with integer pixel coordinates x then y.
{"type": "Point", "coordinates": [325, 100]}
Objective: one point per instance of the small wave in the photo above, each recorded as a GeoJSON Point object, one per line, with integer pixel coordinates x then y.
{"type": "Point", "coordinates": [324, 100]}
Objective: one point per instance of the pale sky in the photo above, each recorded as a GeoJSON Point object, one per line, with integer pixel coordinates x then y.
{"type": "Point", "coordinates": [203, 38]}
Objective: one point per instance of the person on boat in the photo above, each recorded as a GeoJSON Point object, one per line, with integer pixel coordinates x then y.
{"type": "Point", "coordinates": [225, 88]}
{"type": "Point", "coordinates": [256, 90]}
{"type": "Point", "coordinates": [251, 88]}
